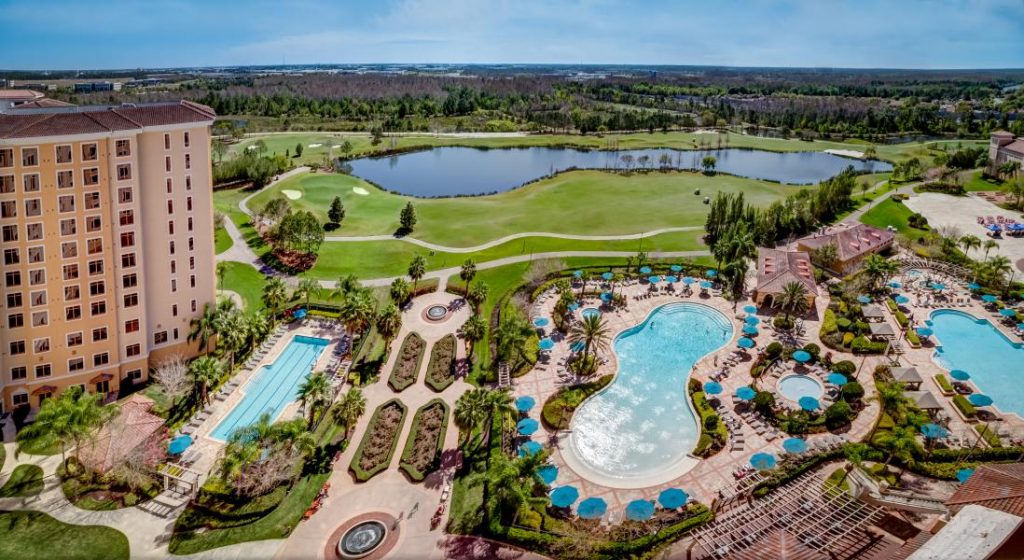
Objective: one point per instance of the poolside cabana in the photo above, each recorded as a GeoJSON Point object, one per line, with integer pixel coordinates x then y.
{"type": "Point", "coordinates": [907, 376]}
{"type": "Point", "coordinates": [873, 312]}
{"type": "Point", "coordinates": [881, 330]}
{"type": "Point", "coordinates": [924, 400]}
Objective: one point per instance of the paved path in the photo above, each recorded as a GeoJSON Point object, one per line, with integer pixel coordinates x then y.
{"type": "Point", "coordinates": [240, 251]}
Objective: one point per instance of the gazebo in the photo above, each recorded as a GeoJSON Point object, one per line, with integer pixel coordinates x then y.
{"type": "Point", "coordinates": [924, 400]}
{"type": "Point", "coordinates": [873, 312]}
{"type": "Point", "coordinates": [907, 376]}
{"type": "Point", "coordinates": [134, 428]}
{"type": "Point", "coordinates": [881, 330]}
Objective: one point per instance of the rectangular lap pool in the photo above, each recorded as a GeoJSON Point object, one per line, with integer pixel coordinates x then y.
{"type": "Point", "coordinates": [274, 386]}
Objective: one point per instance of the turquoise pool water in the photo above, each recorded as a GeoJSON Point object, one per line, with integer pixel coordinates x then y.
{"type": "Point", "coordinates": [794, 387]}
{"type": "Point", "coordinates": [589, 312]}
{"type": "Point", "coordinates": [979, 348]}
{"type": "Point", "coordinates": [642, 424]}
{"type": "Point", "coordinates": [274, 386]}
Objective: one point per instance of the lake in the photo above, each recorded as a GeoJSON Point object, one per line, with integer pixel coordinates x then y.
{"type": "Point", "coordinates": [455, 171]}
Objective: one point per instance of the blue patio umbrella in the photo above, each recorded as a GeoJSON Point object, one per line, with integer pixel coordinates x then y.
{"type": "Point", "coordinates": [578, 346]}
{"type": "Point", "coordinates": [993, 227]}
{"type": "Point", "coordinates": [934, 431]}
{"type": "Point", "coordinates": [673, 498]}
{"type": "Point", "coordinates": [654, 279]}
{"type": "Point", "coordinates": [606, 296]}
{"type": "Point", "coordinates": [640, 510]}
{"type": "Point", "coordinates": [705, 284]}
{"type": "Point", "coordinates": [763, 461]}
{"type": "Point", "coordinates": [573, 307]}
{"type": "Point", "coordinates": [750, 309]}
{"type": "Point", "coordinates": [548, 473]}
{"type": "Point", "coordinates": [809, 403]}
{"type": "Point", "coordinates": [959, 375]}
{"type": "Point", "coordinates": [923, 331]}
{"type": "Point", "coordinates": [974, 286]}
{"type": "Point", "coordinates": [687, 280]}
{"type": "Point", "coordinates": [671, 279]}
{"type": "Point", "coordinates": [711, 273]}
{"type": "Point", "coordinates": [795, 445]}
{"type": "Point", "coordinates": [746, 393]}
{"type": "Point", "coordinates": [837, 378]}
{"type": "Point", "coordinates": [901, 300]}
{"type": "Point", "coordinates": [645, 270]}
{"type": "Point", "coordinates": [675, 268]}
{"type": "Point", "coordinates": [527, 426]}
{"type": "Point", "coordinates": [864, 299]}
{"type": "Point", "coordinates": [1007, 312]}
{"type": "Point", "coordinates": [752, 320]}
{"type": "Point", "coordinates": [989, 298]}
{"type": "Point", "coordinates": [564, 496]}
{"type": "Point", "coordinates": [712, 387]}
{"type": "Point", "coordinates": [592, 508]}
{"type": "Point", "coordinates": [607, 276]}
{"type": "Point", "coordinates": [802, 356]}
{"type": "Point", "coordinates": [1020, 326]}
{"type": "Point", "coordinates": [300, 314]}
{"type": "Point", "coordinates": [978, 399]}
{"type": "Point", "coordinates": [540, 322]}
{"type": "Point", "coordinates": [546, 344]}
{"type": "Point", "coordinates": [525, 403]}
{"type": "Point", "coordinates": [963, 474]}
{"type": "Point", "coordinates": [745, 343]}
{"type": "Point", "coordinates": [938, 286]}
{"type": "Point", "coordinates": [529, 448]}
{"type": "Point", "coordinates": [750, 330]}
{"type": "Point", "coordinates": [179, 444]}
{"type": "Point", "coordinates": [578, 274]}
{"type": "Point", "coordinates": [895, 285]}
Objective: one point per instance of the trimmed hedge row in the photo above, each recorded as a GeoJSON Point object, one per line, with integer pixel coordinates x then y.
{"type": "Point", "coordinates": [414, 432]}
{"type": "Point", "coordinates": [944, 383]}
{"type": "Point", "coordinates": [441, 368]}
{"type": "Point", "coordinates": [407, 363]}
{"type": "Point", "coordinates": [988, 435]}
{"type": "Point", "coordinates": [360, 474]}
{"type": "Point", "coordinates": [964, 405]}
{"type": "Point", "coordinates": [706, 443]}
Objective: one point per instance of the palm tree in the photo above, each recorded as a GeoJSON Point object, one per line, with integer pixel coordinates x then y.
{"type": "Point", "coordinates": [275, 295]}
{"type": "Point", "coordinates": [399, 291]}
{"type": "Point", "coordinates": [344, 287]}
{"type": "Point", "coordinates": [969, 242]}
{"type": "Point", "coordinates": [735, 273]}
{"type": "Point", "coordinates": [205, 371]}
{"type": "Point", "coordinates": [891, 399]}
{"type": "Point", "coordinates": [793, 299]}
{"type": "Point", "coordinates": [351, 407]}
{"type": "Point", "coordinates": [389, 322]}
{"type": "Point", "coordinates": [222, 268]}
{"type": "Point", "coordinates": [71, 418]}
{"type": "Point", "coordinates": [989, 245]}
{"type": "Point", "coordinates": [500, 402]}
{"type": "Point", "coordinates": [357, 311]}
{"type": "Point", "coordinates": [467, 272]}
{"type": "Point", "coordinates": [233, 335]}
{"type": "Point", "coordinates": [471, 409]}
{"type": "Point", "coordinates": [417, 268]}
{"type": "Point", "coordinates": [511, 336]}
{"type": "Point", "coordinates": [592, 331]}
{"type": "Point", "coordinates": [900, 442]}
{"type": "Point", "coordinates": [473, 331]}
{"type": "Point", "coordinates": [477, 295]}
{"type": "Point", "coordinates": [307, 288]}
{"type": "Point", "coordinates": [878, 269]}
{"type": "Point", "coordinates": [1001, 269]}
{"type": "Point", "coordinates": [315, 393]}
{"type": "Point", "coordinates": [203, 327]}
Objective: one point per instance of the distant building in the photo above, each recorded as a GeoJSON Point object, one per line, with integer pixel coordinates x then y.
{"type": "Point", "coordinates": [14, 97]}
{"type": "Point", "coordinates": [1004, 147]}
{"type": "Point", "coordinates": [853, 244]}
{"type": "Point", "coordinates": [776, 269]}
{"type": "Point", "coordinates": [89, 87]}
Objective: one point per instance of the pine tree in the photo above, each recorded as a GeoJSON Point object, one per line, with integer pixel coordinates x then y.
{"type": "Point", "coordinates": [337, 211]}
{"type": "Point", "coordinates": [408, 218]}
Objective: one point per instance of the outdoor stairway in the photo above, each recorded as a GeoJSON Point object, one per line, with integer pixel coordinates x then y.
{"type": "Point", "coordinates": [504, 377]}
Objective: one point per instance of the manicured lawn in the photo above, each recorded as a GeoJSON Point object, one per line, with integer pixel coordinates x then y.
{"type": "Point", "coordinates": [578, 202]}
{"type": "Point", "coordinates": [221, 240]}
{"type": "Point", "coordinates": [975, 182]}
{"type": "Point", "coordinates": [26, 480]}
{"type": "Point", "coordinates": [890, 213]}
{"type": "Point", "coordinates": [33, 535]}
{"type": "Point", "coordinates": [33, 448]}
{"type": "Point", "coordinates": [247, 281]}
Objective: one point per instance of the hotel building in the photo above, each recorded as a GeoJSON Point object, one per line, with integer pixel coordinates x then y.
{"type": "Point", "coordinates": [106, 230]}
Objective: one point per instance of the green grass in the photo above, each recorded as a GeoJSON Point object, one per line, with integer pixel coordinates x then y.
{"type": "Point", "coordinates": [25, 480]}
{"type": "Point", "coordinates": [577, 202]}
{"type": "Point", "coordinates": [221, 240]}
{"type": "Point", "coordinates": [890, 213]}
{"type": "Point", "coordinates": [247, 281]}
{"type": "Point", "coordinates": [838, 478]}
{"type": "Point", "coordinates": [38, 448]}
{"type": "Point", "coordinates": [975, 182]}
{"type": "Point", "coordinates": [33, 535]}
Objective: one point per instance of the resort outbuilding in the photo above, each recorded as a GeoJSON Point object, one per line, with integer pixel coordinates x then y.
{"type": "Point", "coordinates": [853, 244]}
{"type": "Point", "coordinates": [908, 376]}
{"type": "Point", "coordinates": [924, 400]}
{"type": "Point", "coordinates": [133, 430]}
{"type": "Point", "coordinates": [881, 330]}
{"type": "Point", "coordinates": [873, 312]}
{"type": "Point", "coordinates": [776, 269]}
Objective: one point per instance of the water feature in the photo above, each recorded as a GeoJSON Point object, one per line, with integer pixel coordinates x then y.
{"type": "Point", "coordinates": [795, 387]}
{"type": "Point", "coordinates": [982, 350]}
{"type": "Point", "coordinates": [642, 425]}
{"type": "Point", "coordinates": [590, 312]}
{"type": "Point", "coordinates": [436, 312]}
{"type": "Point", "coordinates": [454, 171]}
{"type": "Point", "coordinates": [362, 539]}
{"type": "Point", "coordinates": [274, 386]}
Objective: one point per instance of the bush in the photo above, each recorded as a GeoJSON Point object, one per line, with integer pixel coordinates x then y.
{"type": "Point", "coordinates": [944, 383]}
{"type": "Point", "coordinates": [838, 414]}
{"type": "Point", "coordinates": [912, 337]}
{"type": "Point", "coordinates": [764, 402]}
{"type": "Point", "coordinates": [988, 435]}
{"type": "Point", "coordinates": [852, 392]}
{"type": "Point", "coordinates": [917, 221]}
{"type": "Point", "coordinates": [965, 406]}
{"type": "Point", "coordinates": [845, 367]}
{"type": "Point", "coordinates": [828, 323]}
{"type": "Point", "coordinates": [379, 442]}
{"type": "Point", "coordinates": [848, 339]}
{"type": "Point", "coordinates": [407, 364]}
{"type": "Point", "coordinates": [901, 318]}
{"type": "Point", "coordinates": [861, 345]}
{"type": "Point", "coordinates": [713, 432]}
{"type": "Point", "coordinates": [783, 323]}
{"type": "Point", "coordinates": [774, 350]}
{"type": "Point", "coordinates": [558, 409]}
{"type": "Point", "coordinates": [441, 369]}
{"type": "Point", "coordinates": [844, 324]}
{"type": "Point", "coordinates": [130, 500]}
{"type": "Point", "coordinates": [711, 422]}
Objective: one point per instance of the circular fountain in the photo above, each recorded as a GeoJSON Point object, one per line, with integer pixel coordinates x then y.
{"type": "Point", "coordinates": [362, 539]}
{"type": "Point", "coordinates": [436, 313]}
{"type": "Point", "coordinates": [369, 536]}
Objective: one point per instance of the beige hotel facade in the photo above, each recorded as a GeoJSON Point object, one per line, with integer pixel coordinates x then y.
{"type": "Point", "coordinates": [106, 235]}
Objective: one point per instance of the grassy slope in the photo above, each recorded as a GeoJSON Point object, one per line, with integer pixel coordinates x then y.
{"type": "Point", "coordinates": [890, 213]}
{"type": "Point", "coordinates": [247, 281]}
{"type": "Point", "coordinates": [976, 183]}
{"type": "Point", "coordinates": [33, 535]}
{"type": "Point", "coordinates": [221, 240]}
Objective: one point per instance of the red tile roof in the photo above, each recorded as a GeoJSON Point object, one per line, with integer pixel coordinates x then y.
{"type": "Point", "coordinates": [19, 94]}
{"type": "Point", "coordinates": [996, 486]}
{"type": "Point", "coordinates": [43, 104]}
{"type": "Point", "coordinates": [777, 268]}
{"type": "Point", "coordinates": [119, 437]}
{"type": "Point", "coordinates": [60, 121]}
{"type": "Point", "coordinates": [851, 242]}
{"type": "Point", "coordinates": [1017, 146]}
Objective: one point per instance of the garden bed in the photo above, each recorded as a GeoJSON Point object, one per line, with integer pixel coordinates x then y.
{"type": "Point", "coordinates": [378, 445]}
{"type": "Point", "coordinates": [441, 369]}
{"type": "Point", "coordinates": [101, 492]}
{"type": "Point", "coordinates": [559, 407]}
{"type": "Point", "coordinates": [423, 448]}
{"type": "Point", "coordinates": [407, 363]}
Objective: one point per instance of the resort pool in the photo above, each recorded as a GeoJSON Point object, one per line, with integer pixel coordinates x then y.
{"type": "Point", "coordinates": [979, 348]}
{"type": "Point", "coordinates": [795, 387]}
{"type": "Point", "coordinates": [274, 386]}
{"type": "Point", "coordinates": [590, 312]}
{"type": "Point", "coordinates": [642, 425]}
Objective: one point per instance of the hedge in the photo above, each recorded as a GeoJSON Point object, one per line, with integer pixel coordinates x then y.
{"type": "Point", "coordinates": [441, 368]}
{"type": "Point", "coordinates": [988, 435]}
{"type": "Point", "coordinates": [861, 345]}
{"type": "Point", "coordinates": [944, 383]}
{"type": "Point", "coordinates": [828, 323]}
{"type": "Point", "coordinates": [360, 474]}
{"type": "Point", "coordinates": [558, 409]}
{"type": "Point", "coordinates": [913, 338]}
{"type": "Point", "coordinates": [706, 440]}
{"type": "Point", "coordinates": [405, 465]}
{"type": "Point", "coordinates": [411, 351]}
{"type": "Point", "coordinates": [965, 406]}
{"type": "Point", "coordinates": [901, 318]}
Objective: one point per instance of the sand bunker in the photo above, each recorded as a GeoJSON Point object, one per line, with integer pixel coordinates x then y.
{"type": "Point", "coordinates": [315, 145]}
{"type": "Point", "coordinates": [846, 153]}
{"type": "Point", "coordinates": [360, 191]}
{"type": "Point", "coordinates": [292, 195]}
{"type": "Point", "coordinates": [336, 146]}
{"type": "Point", "coordinates": [706, 132]}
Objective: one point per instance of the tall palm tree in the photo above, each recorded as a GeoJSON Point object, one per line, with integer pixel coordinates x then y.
{"type": "Point", "coordinates": [417, 268]}
{"type": "Point", "coordinates": [389, 322]}
{"type": "Point", "coordinates": [878, 269]}
{"type": "Point", "coordinates": [351, 407]}
{"type": "Point", "coordinates": [357, 311]}
{"type": "Point", "coordinates": [1001, 269]}
{"type": "Point", "coordinates": [233, 336]}
{"type": "Point", "coordinates": [473, 331]}
{"type": "Point", "coordinates": [204, 327]}
{"type": "Point", "coordinates": [969, 242]}
{"type": "Point", "coordinates": [222, 268]}
{"type": "Point", "coordinates": [507, 488]}
{"type": "Point", "coordinates": [275, 295]}
{"type": "Point", "coordinates": [989, 245]}
{"type": "Point", "coordinates": [593, 332]}
{"type": "Point", "coordinates": [735, 274]}
{"type": "Point", "coordinates": [344, 287]}
{"type": "Point", "coordinates": [793, 299]}
{"type": "Point", "coordinates": [315, 393]}
{"type": "Point", "coordinates": [307, 288]}
{"type": "Point", "coordinates": [471, 409]}
{"type": "Point", "coordinates": [900, 442]}
{"type": "Point", "coordinates": [67, 420]}
{"type": "Point", "coordinates": [500, 402]}
{"type": "Point", "coordinates": [893, 402]}
{"type": "Point", "coordinates": [477, 295]}
{"type": "Point", "coordinates": [205, 371]}
{"type": "Point", "coordinates": [399, 291]}
{"type": "Point", "coordinates": [467, 272]}
{"type": "Point", "coordinates": [511, 337]}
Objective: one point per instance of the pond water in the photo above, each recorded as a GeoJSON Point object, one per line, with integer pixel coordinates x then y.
{"type": "Point", "coordinates": [455, 171]}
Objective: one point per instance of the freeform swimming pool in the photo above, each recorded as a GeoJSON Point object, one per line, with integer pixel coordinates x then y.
{"type": "Point", "coordinates": [274, 386]}
{"type": "Point", "coordinates": [980, 348]}
{"type": "Point", "coordinates": [642, 425]}
{"type": "Point", "coordinates": [795, 387]}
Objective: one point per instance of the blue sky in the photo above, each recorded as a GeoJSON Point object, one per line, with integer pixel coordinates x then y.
{"type": "Point", "coordinates": [64, 34]}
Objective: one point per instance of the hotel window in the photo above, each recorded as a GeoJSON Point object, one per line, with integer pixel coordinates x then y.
{"type": "Point", "coordinates": [170, 206]}
{"type": "Point", "coordinates": [37, 299]}
{"type": "Point", "coordinates": [190, 223]}
{"type": "Point", "coordinates": [133, 350]}
{"type": "Point", "coordinates": [175, 331]}
{"type": "Point", "coordinates": [6, 184]}
{"type": "Point", "coordinates": [171, 246]}
{"type": "Point", "coordinates": [90, 177]}
{"type": "Point", "coordinates": [76, 364]}
{"type": "Point", "coordinates": [29, 157]}
{"type": "Point", "coordinates": [191, 243]}
{"type": "Point", "coordinates": [128, 260]}
{"type": "Point", "coordinates": [167, 141]}
{"type": "Point", "coordinates": [160, 337]}
{"type": "Point", "coordinates": [195, 306]}
{"type": "Point", "coordinates": [10, 234]}
{"type": "Point", "coordinates": [128, 239]}
{"type": "Point", "coordinates": [65, 179]}
{"type": "Point", "coordinates": [99, 334]}
{"type": "Point", "coordinates": [36, 255]}
{"type": "Point", "coordinates": [174, 266]}
{"type": "Point", "coordinates": [129, 280]}
{"type": "Point", "coordinates": [94, 246]}
{"type": "Point", "coordinates": [188, 161]}
{"type": "Point", "coordinates": [95, 268]}
{"type": "Point", "coordinates": [31, 182]}
{"type": "Point", "coordinates": [127, 217]}
{"type": "Point", "coordinates": [40, 319]}
{"type": "Point", "coordinates": [188, 204]}
{"type": "Point", "coordinates": [97, 288]}
{"type": "Point", "coordinates": [40, 345]}
{"type": "Point", "coordinates": [98, 308]}
{"type": "Point", "coordinates": [93, 223]}
{"type": "Point", "coordinates": [71, 272]}
{"type": "Point", "coordinates": [34, 232]}
{"type": "Point", "coordinates": [188, 182]}
{"type": "Point", "coordinates": [8, 209]}
{"type": "Point", "coordinates": [18, 347]}
{"type": "Point", "coordinates": [11, 257]}
{"type": "Point", "coordinates": [33, 207]}
{"type": "Point", "coordinates": [192, 280]}
{"type": "Point", "coordinates": [170, 187]}
{"type": "Point", "coordinates": [174, 310]}
{"type": "Point", "coordinates": [89, 152]}
{"type": "Point", "coordinates": [7, 157]}
{"type": "Point", "coordinates": [43, 370]}
{"type": "Point", "coordinates": [63, 154]}
{"type": "Point", "coordinates": [36, 277]}
{"type": "Point", "coordinates": [124, 195]}
{"type": "Point", "coordinates": [66, 203]}
{"type": "Point", "coordinates": [15, 320]}
{"type": "Point", "coordinates": [124, 172]}
{"type": "Point", "coordinates": [134, 374]}
{"type": "Point", "coordinates": [68, 227]}
{"type": "Point", "coordinates": [123, 148]}
{"type": "Point", "coordinates": [92, 200]}
{"type": "Point", "coordinates": [72, 293]}
{"type": "Point", "coordinates": [186, 140]}
{"type": "Point", "coordinates": [131, 300]}
{"type": "Point", "coordinates": [12, 278]}
{"type": "Point", "coordinates": [19, 372]}
{"type": "Point", "coordinates": [174, 285]}
{"type": "Point", "coordinates": [191, 263]}
{"type": "Point", "coordinates": [72, 313]}
{"type": "Point", "coordinates": [170, 228]}
{"type": "Point", "coordinates": [69, 250]}
{"type": "Point", "coordinates": [75, 339]}
{"type": "Point", "coordinates": [167, 164]}
{"type": "Point", "coordinates": [131, 326]}
{"type": "Point", "coordinates": [14, 300]}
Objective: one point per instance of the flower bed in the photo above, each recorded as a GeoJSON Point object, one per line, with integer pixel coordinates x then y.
{"type": "Point", "coordinates": [379, 442]}
{"type": "Point", "coordinates": [559, 407]}
{"type": "Point", "coordinates": [441, 369]}
{"type": "Point", "coordinates": [422, 452]}
{"type": "Point", "coordinates": [407, 363]}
